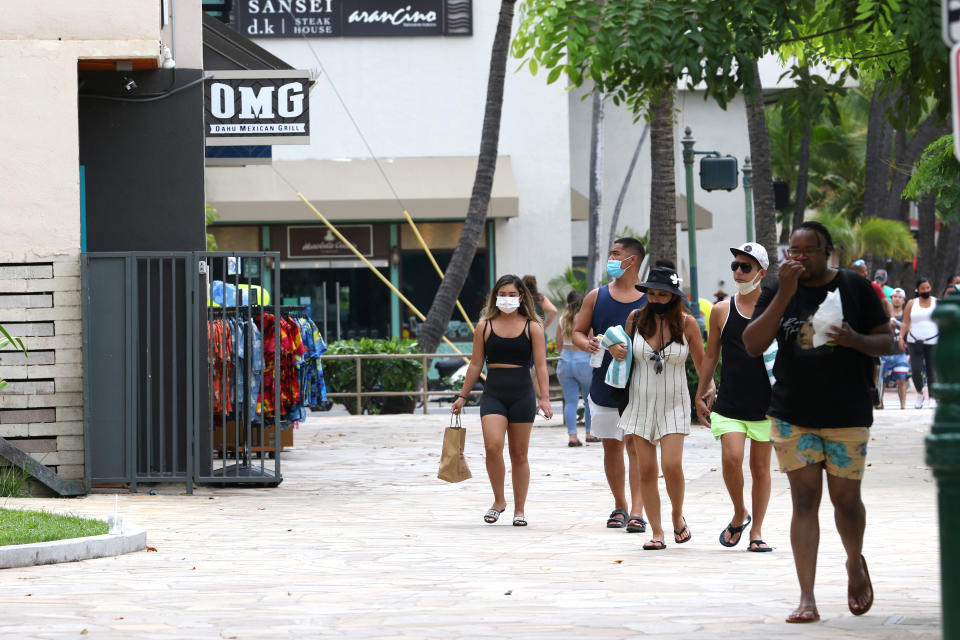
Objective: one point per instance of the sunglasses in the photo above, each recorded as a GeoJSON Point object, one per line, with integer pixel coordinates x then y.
{"type": "Point", "coordinates": [746, 267]}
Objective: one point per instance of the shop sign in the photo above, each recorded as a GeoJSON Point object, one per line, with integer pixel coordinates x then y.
{"type": "Point", "coordinates": [257, 108]}
{"type": "Point", "coordinates": [318, 241]}
{"type": "Point", "coordinates": [353, 18]}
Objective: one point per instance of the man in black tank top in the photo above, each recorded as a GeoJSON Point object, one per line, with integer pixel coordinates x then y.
{"type": "Point", "coordinates": [742, 401]}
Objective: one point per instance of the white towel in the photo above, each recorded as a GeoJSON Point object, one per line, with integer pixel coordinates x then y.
{"type": "Point", "coordinates": [769, 358]}
{"type": "Point", "coordinates": [619, 370]}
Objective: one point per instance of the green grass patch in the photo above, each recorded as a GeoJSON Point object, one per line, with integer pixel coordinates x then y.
{"type": "Point", "coordinates": [13, 482]}
{"type": "Point", "coordinates": [25, 527]}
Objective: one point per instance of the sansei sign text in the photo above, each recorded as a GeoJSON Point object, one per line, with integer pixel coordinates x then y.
{"type": "Point", "coordinates": [353, 18]}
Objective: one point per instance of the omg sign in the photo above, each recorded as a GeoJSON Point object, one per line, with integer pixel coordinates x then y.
{"type": "Point", "coordinates": [257, 107]}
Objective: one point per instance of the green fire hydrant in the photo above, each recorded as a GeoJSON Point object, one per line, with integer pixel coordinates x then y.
{"type": "Point", "coordinates": [943, 454]}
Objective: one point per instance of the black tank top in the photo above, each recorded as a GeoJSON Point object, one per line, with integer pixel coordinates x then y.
{"type": "Point", "coordinates": [744, 392]}
{"type": "Point", "coordinates": [499, 350]}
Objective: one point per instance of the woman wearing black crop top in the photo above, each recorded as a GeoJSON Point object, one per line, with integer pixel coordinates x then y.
{"type": "Point", "coordinates": [508, 334]}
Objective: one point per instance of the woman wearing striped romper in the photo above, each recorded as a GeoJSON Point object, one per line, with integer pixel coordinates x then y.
{"type": "Point", "coordinates": [657, 408]}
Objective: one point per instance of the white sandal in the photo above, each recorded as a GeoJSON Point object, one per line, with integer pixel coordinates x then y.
{"type": "Point", "coordinates": [492, 515]}
{"type": "Point", "coordinates": [519, 521]}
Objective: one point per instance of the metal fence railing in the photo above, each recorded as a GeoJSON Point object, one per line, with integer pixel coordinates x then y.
{"type": "Point", "coordinates": [424, 392]}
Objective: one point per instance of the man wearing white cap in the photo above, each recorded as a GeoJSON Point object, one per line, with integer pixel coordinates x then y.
{"type": "Point", "coordinates": [743, 397]}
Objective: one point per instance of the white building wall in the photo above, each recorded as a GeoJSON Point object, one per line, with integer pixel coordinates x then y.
{"type": "Point", "coordinates": [425, 96]}
{"type": "Point", "coordinates": [40, 43]}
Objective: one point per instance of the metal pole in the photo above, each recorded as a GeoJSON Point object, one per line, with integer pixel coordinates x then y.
{"type": "Point", "coordinates": [359, 386]}
{"type": "Point", "coordinates": [338, 310]}
{"type": "Point", "coordinates": [748, 196]}
{"type": "Point", "coordinates": [943, 454]}
{"type": "Point", "coordinates": [688, 156]}
{"type": "Point", "coordinates": [326, 333]}
{"type": "Point", "coordinates": [424, 372]}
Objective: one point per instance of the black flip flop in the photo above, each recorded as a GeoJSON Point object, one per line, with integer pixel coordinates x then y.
{"type": "Point", "coordinates": [613, 522]}
{"type": "Point", "coordinates": [678, 534]}
{"type": "Point", "coordinates": [654, 545]}
{"type": "Point", "coordinates": [636, 528]}
{"type": "Point", "coordinates": [734, 531]}
{"type": "Point", "coordinates": [759, 549]}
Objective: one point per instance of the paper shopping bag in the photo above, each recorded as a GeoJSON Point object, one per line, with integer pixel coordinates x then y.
{"type": "Point", "coordinates": [453, 466]}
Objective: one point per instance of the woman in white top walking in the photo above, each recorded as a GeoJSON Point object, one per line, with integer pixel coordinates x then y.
{"type": "Point", "coordinates": [920, 332]}
{"type": "Point", "coordinates": [657, 409]}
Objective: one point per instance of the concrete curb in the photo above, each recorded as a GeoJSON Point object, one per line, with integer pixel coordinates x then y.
{"type": "Point", "coordinates": [132, 539]}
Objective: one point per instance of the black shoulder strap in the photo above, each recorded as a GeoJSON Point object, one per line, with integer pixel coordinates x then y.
{"type": "Point", "coordinates": [526, 329]}
{"type": "Point", "coordinates": [632, 323]}
{"type": "Point", "coordinates": [487, 328]}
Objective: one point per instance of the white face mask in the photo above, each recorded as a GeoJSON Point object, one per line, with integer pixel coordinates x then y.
{"type": "Point", "coordinates": [743, 288]}
{"type": "Point", "coordinates": [508, 304]}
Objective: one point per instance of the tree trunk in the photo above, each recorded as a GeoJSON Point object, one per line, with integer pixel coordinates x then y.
{"type": "Point", "coordinates": [615, 219]}
{"type": "Point", "coordinates": [945, 264]}
{"type": "Point", "coordinates": [803, 178]}
{"type": "Point", "coordinates": [926, 210]}
{"type": "Point", "coordinates": [763, 205]}
{"type": "Point", "coordinates": [879, 155]}
{"type": "Point", "coordinates": [431, 331]}
{"type": "Point", "coordinates": [663, 187]}
{"type": "Point", "coordinates": [596, 191]}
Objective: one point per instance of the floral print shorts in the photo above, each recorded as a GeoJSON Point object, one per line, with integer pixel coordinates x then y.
{"type": "Point", "coordinates": [843, 451]}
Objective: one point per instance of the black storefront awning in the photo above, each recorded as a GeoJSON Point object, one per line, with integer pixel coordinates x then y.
{"type": "Point", "coordinates": [224, 49]}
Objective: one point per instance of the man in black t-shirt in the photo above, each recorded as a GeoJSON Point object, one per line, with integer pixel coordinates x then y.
{"type": "Point", "coordinates": [821, 402]}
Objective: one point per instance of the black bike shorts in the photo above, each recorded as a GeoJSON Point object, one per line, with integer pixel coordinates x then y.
{"type": "Point", "coordinates": [509, 392]}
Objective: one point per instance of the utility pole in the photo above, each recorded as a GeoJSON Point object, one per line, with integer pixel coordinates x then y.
{"type": "Point", "coordinates": [748, 195]}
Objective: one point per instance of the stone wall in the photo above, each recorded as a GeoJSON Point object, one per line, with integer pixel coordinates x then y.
{"type": "Point", "coordinates": [41, 411]}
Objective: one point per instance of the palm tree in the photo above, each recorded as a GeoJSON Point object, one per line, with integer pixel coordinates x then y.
{"type": "Point", "coordinates": [870, 236]}
{"type": "Point", "coordinates": [663, 188]}
{"type": "Point", "coordinates": [763, 206]}
{"type": "Point", "coordinates": [596, 190]}
{"type": "Point", "coordinates": [431, 331]}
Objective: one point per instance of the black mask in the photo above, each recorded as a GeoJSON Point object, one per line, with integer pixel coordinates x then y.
{"type": "Point", "coordinates": [661, 307]}
{"type": "Point", "coordinates": [925, 294]}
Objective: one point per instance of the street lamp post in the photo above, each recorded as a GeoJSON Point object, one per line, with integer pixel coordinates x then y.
{"type": "Point", "coordinates": [688, 156]}
{"type": "Point", "coordinates": [748, 195]}
{"type": "Point", "coordinates": [943, 455]}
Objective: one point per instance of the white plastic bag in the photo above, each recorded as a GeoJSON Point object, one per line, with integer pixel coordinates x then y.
{"type": "Point", "coordinates": [596, 359]}
{"type": "Point", "coordinates": [830, 314]}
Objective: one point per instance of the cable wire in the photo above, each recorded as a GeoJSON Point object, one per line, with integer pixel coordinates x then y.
{"type": "Point", "coordinates": [163, 96]}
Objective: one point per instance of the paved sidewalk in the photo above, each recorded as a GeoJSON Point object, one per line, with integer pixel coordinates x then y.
{"type": "Point", "coordinates": [361, 540]}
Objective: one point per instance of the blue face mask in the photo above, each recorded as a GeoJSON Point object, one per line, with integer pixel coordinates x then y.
{"type": "Point", "coordinates": [614, 268]}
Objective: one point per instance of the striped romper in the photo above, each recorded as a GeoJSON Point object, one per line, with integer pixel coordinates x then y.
{"type": "Point", "coordinates": [659, 402]}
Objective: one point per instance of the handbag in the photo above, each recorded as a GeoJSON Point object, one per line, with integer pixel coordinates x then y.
{"type": "Point", "coordinates": [453, 466]}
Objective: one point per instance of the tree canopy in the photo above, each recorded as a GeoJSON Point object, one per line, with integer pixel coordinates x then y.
{"type": "Point", "coordinates": [893, 42]}
{"type": "Point", "coordinates": [938, 172]}
{"type": "Point", "coordinates": [631, 49]}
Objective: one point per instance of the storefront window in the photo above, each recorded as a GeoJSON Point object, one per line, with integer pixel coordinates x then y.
{"type": "Point", "coordinates": [419, 283]}
{"type": "Point", "coordinates": [363, 305]}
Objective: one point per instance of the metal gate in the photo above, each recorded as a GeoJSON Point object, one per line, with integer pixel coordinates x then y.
{"type": "Point", "coordinates": [148, 388]}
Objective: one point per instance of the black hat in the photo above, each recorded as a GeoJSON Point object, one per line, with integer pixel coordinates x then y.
{"type": "Point", "coordinates": [662, 279]}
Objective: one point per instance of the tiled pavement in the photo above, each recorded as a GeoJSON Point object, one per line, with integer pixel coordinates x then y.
{"type": "Point", "coordinates": [361, 540]}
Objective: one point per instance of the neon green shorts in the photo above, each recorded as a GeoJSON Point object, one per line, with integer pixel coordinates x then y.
{"type": "Point", "coordinates": [758, 430]}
